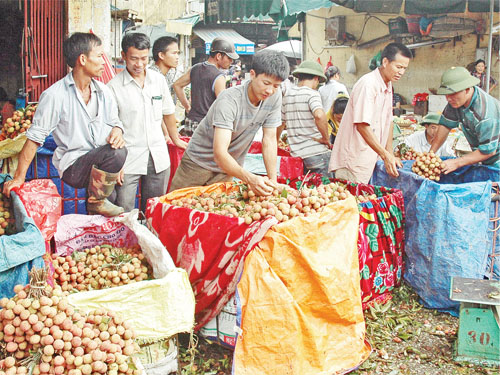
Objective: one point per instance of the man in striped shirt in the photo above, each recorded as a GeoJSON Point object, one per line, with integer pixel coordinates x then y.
{"type": "Point", "coordinates": [305, 120]}
{"type": "Point", "coordinates": [478, 115]}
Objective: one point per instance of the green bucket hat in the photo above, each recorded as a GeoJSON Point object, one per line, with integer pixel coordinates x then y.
{"type": "Point", "coordinates": [431, 118]}
{"type": "Point", "coordinates": [456, 79]}
{"type": "Point", "coordinates": [310, 67]}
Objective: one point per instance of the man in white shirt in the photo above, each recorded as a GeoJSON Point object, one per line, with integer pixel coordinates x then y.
{"type": "Point", "coordinates": [421, 141]}
{"type": "Point", "coordinates": [143, 100]}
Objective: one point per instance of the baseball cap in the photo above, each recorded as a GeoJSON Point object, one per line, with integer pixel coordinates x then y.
{"type": "Point", "coordinates": [223, 46]}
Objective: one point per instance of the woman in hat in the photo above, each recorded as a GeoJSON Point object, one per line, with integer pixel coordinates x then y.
{"type": "Point", "coordinates": [332, 87]}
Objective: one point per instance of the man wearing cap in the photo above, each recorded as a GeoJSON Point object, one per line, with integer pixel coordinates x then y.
{"type": "Point", "coordinates": [220, 143]}
{"type": "Point", "coordinates": [366, 129]}
{"type": "Point", "coordinates": [478, 115]}
{"type": "Point", "coordinates": [207, 81]}
{"type": "Point", "coordinates": [421, 141]}
{"type": "Point", "coordinates": [305, 120]}
{"type": "Point", "coordinates": [332, 88]}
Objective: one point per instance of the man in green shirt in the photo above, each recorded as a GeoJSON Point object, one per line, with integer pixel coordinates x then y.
{"type": "Point", "coordinates": [476, 113]}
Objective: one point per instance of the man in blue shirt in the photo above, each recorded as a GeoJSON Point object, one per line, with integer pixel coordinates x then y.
{"type": "Point", "coordinates": [82, 115]}
{"type": "Point", "coordinates": [478, 115]}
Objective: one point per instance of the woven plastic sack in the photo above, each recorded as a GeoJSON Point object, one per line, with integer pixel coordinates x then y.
{"type": "Point", "coordinates": [381, 245]}
{"type": "Point", "coordinates": [301, 310]}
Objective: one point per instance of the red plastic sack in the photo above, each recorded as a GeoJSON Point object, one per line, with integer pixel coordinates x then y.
{"type": "Point", "coordinates": [43, 204]}
{"type": "Point", "coordinates": [175, 153]}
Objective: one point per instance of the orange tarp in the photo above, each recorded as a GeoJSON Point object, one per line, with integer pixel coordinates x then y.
{"type": "Point", "coordinates": [301, 299]}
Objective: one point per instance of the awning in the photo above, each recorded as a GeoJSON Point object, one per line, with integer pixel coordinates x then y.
{"type": "Point", "coordinates": [425, 7]}
{"type": "Point", "coordinates": [182, 26]}
{"type": "Point", "coordinates": [290, 48]}
{"type": "Point", "coordinates": [242, 45]}
{"type": "Point", "coordinates": [232, 10]}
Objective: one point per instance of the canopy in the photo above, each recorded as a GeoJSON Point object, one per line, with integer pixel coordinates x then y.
{"type": "Point", "coordinates": [290, 48]}
{"type": "Point", "coordinates": [425, 7]}
{"type": "Point", "coordinates": [183, 25]}
{"type": "Point", "coordinates": [242, 45]}
{"type": "Point", "coordinates": [233, 10]}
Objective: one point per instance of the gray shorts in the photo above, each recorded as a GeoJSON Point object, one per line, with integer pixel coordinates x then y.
{"type": "Point", "coordinates": [190, 174]}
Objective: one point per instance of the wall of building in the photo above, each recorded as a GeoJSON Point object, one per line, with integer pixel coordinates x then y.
{"type": "Point", "coordinates": [425, 69]}
{"type": "Point", "coordinates": [153, 11]}
{"type": "Point", "coordinates": [95, 15]}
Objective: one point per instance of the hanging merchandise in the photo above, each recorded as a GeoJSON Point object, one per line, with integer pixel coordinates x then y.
{"type": "Point", "coordinates": [351, 65]}
{"type": "Point", "coordinates": [329, 64]}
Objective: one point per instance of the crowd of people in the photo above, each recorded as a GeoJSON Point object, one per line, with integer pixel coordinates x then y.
{"type": "Point", "coordinates": [112, 137]}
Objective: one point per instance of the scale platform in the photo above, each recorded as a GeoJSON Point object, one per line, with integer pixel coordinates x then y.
{"type": "Point", "coordinates": [479, 326]}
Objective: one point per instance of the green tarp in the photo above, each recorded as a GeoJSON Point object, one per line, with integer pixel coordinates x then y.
{"type": "Point", "coordinates": [426, 7]}
{"type": "Point", "coordinates": [231, 10]}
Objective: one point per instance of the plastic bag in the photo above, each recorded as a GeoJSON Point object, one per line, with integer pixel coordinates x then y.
{"type": "Point", "coordinates": [76, 232]}
{"type": "Point", "coordinates": [156, 309]}
{"type": "Point", "coordinates": [351, 65]}
{"type": "Point", "coordinates": [21, 251]}
{"type": "Point", "coordinates": [43, 203]}
{"type": "Point", "coordinates": [151, 245]}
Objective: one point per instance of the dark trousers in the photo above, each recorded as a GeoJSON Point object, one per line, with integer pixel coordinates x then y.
{"type": "Point", "coordinates": [104, 158]}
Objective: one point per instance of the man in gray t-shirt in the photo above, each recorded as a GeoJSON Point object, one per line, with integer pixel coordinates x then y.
{"type": "Point", "coordinates": [218, 147]}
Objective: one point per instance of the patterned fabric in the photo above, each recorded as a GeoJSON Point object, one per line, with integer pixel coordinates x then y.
{"type": "Point", "coordinates": [380, 240]}
{"type": "Point", "coordinates": [210, 247]}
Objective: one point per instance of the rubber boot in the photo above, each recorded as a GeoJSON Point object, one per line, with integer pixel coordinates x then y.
{"type": "Point", "coordinates": [101, 185]}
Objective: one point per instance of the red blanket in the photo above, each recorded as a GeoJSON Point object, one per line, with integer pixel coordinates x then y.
{"type": "Point", "coordinates": [210, 247]}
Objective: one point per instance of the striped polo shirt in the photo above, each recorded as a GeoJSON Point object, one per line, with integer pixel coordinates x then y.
{"type": "Point", "coordinates": [297, 111]}
{"type": "Point", "coordinates": [480, 122]}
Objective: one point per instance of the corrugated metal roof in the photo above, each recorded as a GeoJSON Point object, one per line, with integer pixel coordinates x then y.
{"type": "Point", "coordinates": [210, 34]}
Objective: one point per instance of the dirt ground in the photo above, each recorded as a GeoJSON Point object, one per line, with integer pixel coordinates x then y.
{"type": "Point", "coordinates": [407, 339]}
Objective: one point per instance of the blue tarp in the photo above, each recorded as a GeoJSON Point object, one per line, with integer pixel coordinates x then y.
{"type": "Point", "coordinates": [447, 228]}
{"type": "Point", "coordinates": [21, 251]}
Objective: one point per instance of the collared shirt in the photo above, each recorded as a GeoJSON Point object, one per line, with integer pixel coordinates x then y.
{"type": "Point", "coordinates": [480, 122]}
{"type": "Point", "coordinates": [418, 141]}
{"type": "Point", "coordinates": [141, 110]}
{"type": "Point", "coordinates": [62, 112]}
{"type": "Point", "coordinates": [371, 103]}
{"type": "Point", "coordinates": [171, 76]}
